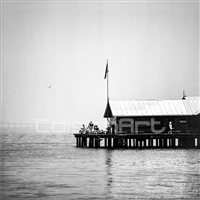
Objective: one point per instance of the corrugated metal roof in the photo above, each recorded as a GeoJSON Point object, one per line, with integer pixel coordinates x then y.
{"type": "Point", "coordinates": [189, 106]}
{"type": "Point", "coordinates": [192, 98]}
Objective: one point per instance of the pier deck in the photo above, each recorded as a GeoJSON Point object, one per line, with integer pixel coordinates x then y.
{"type": "Point", "coordinates": [147, 140]}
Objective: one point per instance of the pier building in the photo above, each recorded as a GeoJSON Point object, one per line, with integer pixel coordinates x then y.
{"type": "Point", "coordinates": [148, 124]}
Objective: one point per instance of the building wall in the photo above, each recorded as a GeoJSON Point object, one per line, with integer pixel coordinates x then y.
{"type": "Point", "coordinates": [159, 124]}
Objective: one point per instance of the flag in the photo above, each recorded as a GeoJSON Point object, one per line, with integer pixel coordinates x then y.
{"type": "Point", "coordinates": [106, 70]}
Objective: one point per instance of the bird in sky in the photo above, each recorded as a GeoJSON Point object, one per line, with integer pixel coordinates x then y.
{"type": "Point", "coordinates": [48, 86]}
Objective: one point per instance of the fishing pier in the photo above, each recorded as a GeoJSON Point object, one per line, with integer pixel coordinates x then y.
{"type": "Point", "coordinates": [148, 124]}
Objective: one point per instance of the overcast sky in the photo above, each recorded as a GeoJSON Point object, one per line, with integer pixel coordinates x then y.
{"type": "Point", "coordinates": [152, 50]}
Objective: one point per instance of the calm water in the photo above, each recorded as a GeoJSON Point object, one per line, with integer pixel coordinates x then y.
{"type": "Point", "coordinates": [49, 166]}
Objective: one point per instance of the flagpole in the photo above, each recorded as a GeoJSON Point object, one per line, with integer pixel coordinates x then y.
{"type": "Point", "coordinates": [107, 86]}
{"type": "Point", "coordinates": [107, 93]}
{"type": "Point", "coordinates": [106, 76]}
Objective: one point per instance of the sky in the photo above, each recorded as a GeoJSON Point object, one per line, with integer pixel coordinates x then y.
{"type": "Point", "coordinates": [54, 54]}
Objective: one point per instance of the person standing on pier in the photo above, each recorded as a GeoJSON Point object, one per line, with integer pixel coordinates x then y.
{"type": "Point", "coordinates": [170, 127]}
{"type": "Point", "coordinates": [90, 126]}
{"type": "Point", "coordinates": [96, 129]}
{"type": "Point", "coordinates": [112, 125]}
{"type": "Point", "coordinates": [82, 130]}
{"type": "Point", "coordinates": [108, 130]}
{"type": "Point", "coordinates": [113, 128]}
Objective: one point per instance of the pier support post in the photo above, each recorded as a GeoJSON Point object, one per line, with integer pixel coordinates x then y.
{"type": "Point", "coordinates": [77, 141]}
{"type": "Point", "coordinates": [130, 142]}
{"type": "Point", "coordinates": [80, 142]}
{"type": "Point", "coordinates": [150, 142]}
{"type": "Point", "coordinates": [165, 142]}
{"type": "Point", "coordinates": [126, 142]}
{"type": "Point", "coordinates": [173, 141]}
{"type": "Point", "coordinates": [115, 142]}
{"type": "Point", "coordinates": [153, 142]}
{"type": "Point", "coordinates": [136, 143]}
{"type": "Point", "coordinates": [145, 143]}
{"type": "Point", "coordinates": [156, 142]}
{"type": "Point", "coordinates": [109, 142]}
{"type": "Point", "coordinates": [91, 142]}
{"type": "Point", "coordinates": [177, 139]}
{"type": "Point", "coordinates": [105, 142]}
{"type": "Point", "coordinates": [83, 141]}
{"type": "Point", "coordinates": [141, 143]}
{"type": "Point", "coordinates": [181, 142]}
{"type": "Point", "coordinates": [168, 142]}
{"type": "Point", "coordinates": [160, 142]}
{"type": "Point", "coordinates": [97, 142]}
{"type": "Point", "coordinates": [198, 142]}
{"type": "Point", "coordinates": [133, 142]}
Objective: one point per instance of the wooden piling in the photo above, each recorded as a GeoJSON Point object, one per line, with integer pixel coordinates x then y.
{"type": "Point", "coordinates": [150, 143]}
{"type": "Point", "coordinates": [96, 143]}
{"type": "Point", "coordinates": [77, 141]}
{"type": "Point", "coordinates": [173, 142]}
{"type": "Point", "coordinates": [115, 142]}
{"type": "Point", "coordinates": [83, 142]}
{"type": "Point", "coordinates": [145, 143]}
{"type": "Point", "coordinates": [91, 142]}
{"type": "Point", "coordinates": [133, 143]}
{"type": "Point", "coordinates": [138, 141]}
{"type": "Point", "coordinates": [105, 142]}
{"type": "Point", "coordinates": [156, 142]}
{"type": "Point", "coordinates": [198, 142]}
{"type": "Point", "coordinates": [109, 142]}
{"type": "Point", "coordinates": [129, 143]}
{"type": "Point", "coordinates": [125, 142]}
{"type": "Point", "coordinates": [165, 142]}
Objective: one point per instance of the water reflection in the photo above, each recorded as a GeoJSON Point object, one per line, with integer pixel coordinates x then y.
{"type": "Point", "coordinates": [108, 169]}
{"type": "Point", "coordinates": [153, 173]}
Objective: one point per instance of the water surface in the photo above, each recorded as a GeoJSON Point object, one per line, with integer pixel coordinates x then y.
{"type": "Point", "coordinates": [49, 166]}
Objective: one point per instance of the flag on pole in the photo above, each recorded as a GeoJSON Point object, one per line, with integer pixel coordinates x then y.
{"type": "Point", "coordinates": [106, 70]}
